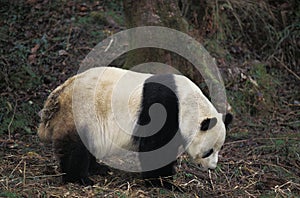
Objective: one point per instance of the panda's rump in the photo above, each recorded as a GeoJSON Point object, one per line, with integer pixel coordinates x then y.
{"type": "Point", "coordinates": [56, 115]}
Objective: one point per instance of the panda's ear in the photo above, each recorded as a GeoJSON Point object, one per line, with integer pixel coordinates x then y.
{"type": "Point", "coordinates": [227, 119]}
{"type": "Point", "coordinates": [208, 123]}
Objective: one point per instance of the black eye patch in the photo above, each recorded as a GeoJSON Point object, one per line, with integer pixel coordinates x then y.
{"type": "Point", "coordinates": [208, 153]}
{"type": "Point", "coordinates": [208, 123]}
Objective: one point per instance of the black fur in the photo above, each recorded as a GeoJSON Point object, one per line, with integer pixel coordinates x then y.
{"type": "Point", "coordinates": [227, 119]}
{"type": "Point", "coordinates": [76, 162]}
{"type": "Point", "coordinates": [159, 89]}
{"type": "Point", "coordinates": [208, 124]}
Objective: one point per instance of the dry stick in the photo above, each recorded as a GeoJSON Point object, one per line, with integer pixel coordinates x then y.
{"type": "Point", "coordinates": [255, 139]}
{"type": "Point", "coordinates": [5, 185]}
{"type": "Point", "coordinates": [45, 176]}
{"type": "Point", "coordinates": [68, 38]}
{"type": "Point", "coordinates": [15, 168]}
{"type": "Point", "coordinates": [191, 181]}
{"type": "Point", "coordinates": [24, 174]}
{"type": "Point", "coordinates": [288, 69]}
{"type": "Point", "coordinates": [250, 195]}
{"type": "Point", "coordinates": [228, 182]}
{"type": "Point", "coordinates": [289, 182]}
{"type": "Point", "coordinates": [10, 123]}
{"type": "Point", "coordinates": [128, 189]}
{"type": "Point", "coordinates": [211, 182]}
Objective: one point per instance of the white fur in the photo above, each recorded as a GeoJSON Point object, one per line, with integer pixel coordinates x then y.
{"type": "Point", "coordinates": [110, 99]}
{"type": "Point", "coordinates": [107, 120]}
{"type": "Point", "coordinates": [194, 108]}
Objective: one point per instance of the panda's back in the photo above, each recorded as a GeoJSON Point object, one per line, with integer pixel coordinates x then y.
{"type": "Point", "coordinates": [105, 103]}
{"type": "Point", "coordinates": [112, 99]}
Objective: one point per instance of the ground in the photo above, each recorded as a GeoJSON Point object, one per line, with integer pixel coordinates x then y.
{"type": "Point", "coordinates": [42, 44]}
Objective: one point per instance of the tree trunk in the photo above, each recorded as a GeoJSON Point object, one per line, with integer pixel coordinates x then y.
{"type": "Point", "coordinates": [166, 13]}
{"type": "Point", "coordinates": [155, 13]}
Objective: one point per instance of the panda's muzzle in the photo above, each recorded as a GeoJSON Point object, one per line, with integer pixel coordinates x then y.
{"type": "Point", "coordinates": [208, 153]}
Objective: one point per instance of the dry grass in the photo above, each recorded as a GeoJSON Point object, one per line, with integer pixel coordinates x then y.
{"type": "Point", "coordinates": [250, 166]}
{"type": "Point", "coordinates": [261, 155]}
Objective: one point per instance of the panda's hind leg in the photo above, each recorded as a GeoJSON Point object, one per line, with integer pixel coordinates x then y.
{"type": "Point", "coordinates": [75, 161]}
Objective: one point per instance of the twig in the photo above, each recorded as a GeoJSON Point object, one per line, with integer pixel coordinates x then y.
{"type": "Point", "coordinates": [10, 123]}
{"type": "Point", "coordinates": [250, 195]}
{"type": "Point", "coordinates": [45, 176]}
{"type": "Point", "coordinates": [15, 168]}
{"type": "Point", "coordinates": [68, 38]}
{"type": "Point", "coordinates": [228, 182]}
{"type": "Point", "coordinates": [278, 189]}
{"type": "Point", "coordinates": [210, 179]}
{"type": "Point", "coordinates": [255, 139]}
{"type": "Point", "coordinates": [288, 69]}
{"type": "Point", "coordinates": [24, 174]}
{"type": "Point", "coordinates": [191, 181]}
{"type": "Point", "coordinates": [33, 177]}
{"type": "Point", "coordinates": [5, 185]}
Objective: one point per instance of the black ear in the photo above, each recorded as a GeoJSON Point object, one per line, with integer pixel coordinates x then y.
{"type": "Point", "coordinates": [227, 119]}
{"type": "Point", "coordinates": [208, 123]}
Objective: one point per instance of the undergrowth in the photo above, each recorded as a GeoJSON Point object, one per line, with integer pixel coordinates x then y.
{"type": "Point", "coordinates": [255, 46]}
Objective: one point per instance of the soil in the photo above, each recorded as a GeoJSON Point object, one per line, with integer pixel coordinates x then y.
{"type": "Point", "coordinates": [42, 44]}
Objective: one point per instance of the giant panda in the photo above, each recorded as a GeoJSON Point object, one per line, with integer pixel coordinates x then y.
{"type": "Point", "coordinates": [191, 123]}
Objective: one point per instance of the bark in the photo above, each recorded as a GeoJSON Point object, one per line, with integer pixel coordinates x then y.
{"type": "Point", "coordinates": [164, 13]}
{"type": "Point", "coordinates": [167, 13]}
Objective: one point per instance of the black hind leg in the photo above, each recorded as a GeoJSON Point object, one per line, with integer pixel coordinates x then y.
{"type": "Point", "coordinates": [75, 162]}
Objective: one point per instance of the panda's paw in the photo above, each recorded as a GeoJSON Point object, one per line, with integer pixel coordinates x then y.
{"type": "Point", "coordinates": [85, 181]}
{"type": "Point", "coordinates": [99, 169]}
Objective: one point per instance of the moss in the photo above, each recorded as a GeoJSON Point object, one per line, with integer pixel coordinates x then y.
{"type": "Point", "coordinates": [256, 91]}
{"type": "Point", "coordinates": [98, 17]}
{"type": "Point", "coordinates": [158, 14]}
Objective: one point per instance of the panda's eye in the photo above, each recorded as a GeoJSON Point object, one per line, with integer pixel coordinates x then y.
{"type": "Point", "coordinates": [208, 153]}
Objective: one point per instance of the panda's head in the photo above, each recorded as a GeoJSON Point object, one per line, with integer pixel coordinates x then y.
{"type": "Point", "coordinates": [206, 144]}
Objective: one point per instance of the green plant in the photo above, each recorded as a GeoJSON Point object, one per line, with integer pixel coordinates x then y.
{"type": "Point", "coordinates": [9, 194]}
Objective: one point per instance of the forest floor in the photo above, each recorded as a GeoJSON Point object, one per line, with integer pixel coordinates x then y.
{"type": "Point", "coordinates": [42, 44]}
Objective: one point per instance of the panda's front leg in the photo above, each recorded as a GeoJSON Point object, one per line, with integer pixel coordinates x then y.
{"type": "Point", "coordinates": [74, 162]}
{"type": "Point", "coordinates": [160, 177]}
{"type": "Point", "coordinates": [97, 169]}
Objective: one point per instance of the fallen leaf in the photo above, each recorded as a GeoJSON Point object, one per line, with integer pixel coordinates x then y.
{"type": "Point", "coordinates": [32, 58]}
{"type": "Point", "coordinates": [35, 48]}
{"type": "Point", "coordinates": [62, 52]}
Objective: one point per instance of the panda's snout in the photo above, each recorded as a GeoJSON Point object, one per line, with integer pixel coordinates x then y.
{"type": "Point", "coordinates": [212, 166]}
{"type": "Point", "coordinates": [209, 163]}
{"type": "Point", "coordinates": [207, 167]}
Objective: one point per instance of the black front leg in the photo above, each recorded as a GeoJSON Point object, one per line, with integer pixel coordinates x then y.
{"type": "Point", "coordinates": [75, 162]}
{"type": "Point", "coordinates": [160, 177]}
{"type": "Point", "coordinates": [98, 169]}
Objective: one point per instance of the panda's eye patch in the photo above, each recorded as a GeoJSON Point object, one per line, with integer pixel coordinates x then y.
{"type": "Point", "coordinates": [208, 123]}
{"type": "Point", "coordinates": [208, 153]}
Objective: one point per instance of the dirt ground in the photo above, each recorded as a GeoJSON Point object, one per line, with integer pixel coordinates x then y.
{"type": "Point", "coordinates": [42, 44]}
